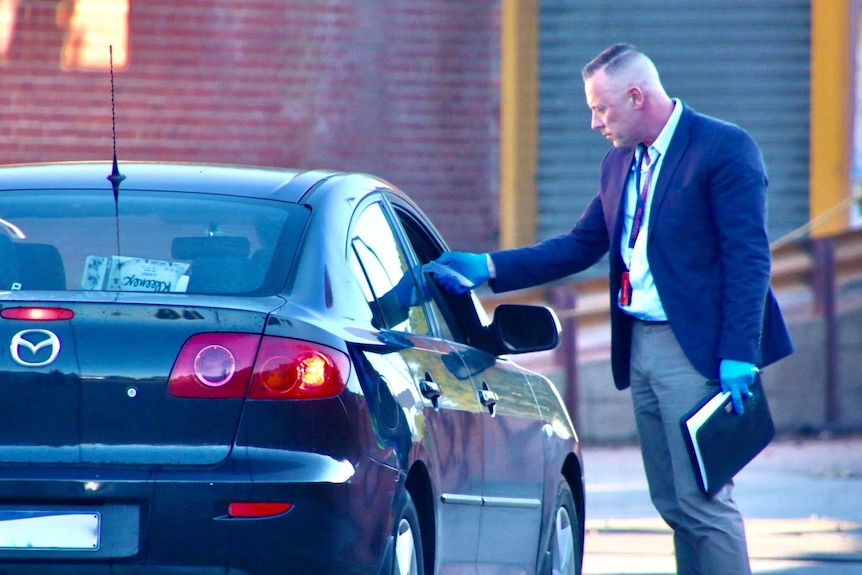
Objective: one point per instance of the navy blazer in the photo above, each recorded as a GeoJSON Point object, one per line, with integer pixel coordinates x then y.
{"type": "Point", "coordinates": [707, 249]}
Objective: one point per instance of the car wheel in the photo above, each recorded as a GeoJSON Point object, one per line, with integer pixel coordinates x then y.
{"type": "Point", "coordinates": [564, 553]}
{"type": "Point", "coordinates": [407, 559]}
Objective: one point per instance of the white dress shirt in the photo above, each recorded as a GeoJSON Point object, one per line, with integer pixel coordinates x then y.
{"type": "Point", "coordinates": [645, 301]}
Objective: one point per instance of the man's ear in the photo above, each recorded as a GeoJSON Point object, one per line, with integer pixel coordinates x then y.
{"type": "Point", "coordinates": [636, 97]}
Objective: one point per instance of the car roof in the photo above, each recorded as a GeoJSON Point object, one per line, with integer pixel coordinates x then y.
{"type": "Point", "coordinates": [247, 181]}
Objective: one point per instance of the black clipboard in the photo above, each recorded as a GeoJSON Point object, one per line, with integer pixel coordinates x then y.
{"type": "Point", "coordinates": [720, 442]}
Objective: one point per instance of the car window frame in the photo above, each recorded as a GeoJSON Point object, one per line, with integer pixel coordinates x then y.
{"type": "Point", "coordinates": [460, 313]}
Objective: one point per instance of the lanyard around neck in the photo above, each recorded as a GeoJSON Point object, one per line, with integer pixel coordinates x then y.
{"type": "Point", "coordinates": [642, 193]}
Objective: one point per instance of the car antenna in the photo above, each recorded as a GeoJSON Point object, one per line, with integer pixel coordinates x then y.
{"type": "Point", "coordinates": [116, 177]}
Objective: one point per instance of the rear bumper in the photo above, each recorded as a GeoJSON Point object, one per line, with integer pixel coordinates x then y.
{"type": "Point", "coordinates": [175, 521]}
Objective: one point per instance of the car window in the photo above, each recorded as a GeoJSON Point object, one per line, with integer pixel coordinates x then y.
{"type": "Point", "coordinates": [460, 318]}
{"type": "Point", "coordinates": [383, 270]}
{"type": "Point", "coordinates": [146, 242]}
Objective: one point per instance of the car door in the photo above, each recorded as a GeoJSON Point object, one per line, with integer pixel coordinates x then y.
{"type": "Point", "coordinates": [452, 417]}
{"type": "Point", "coordinates": [512, 429]}
{"type": "Point", "coordinates": [513, 464]}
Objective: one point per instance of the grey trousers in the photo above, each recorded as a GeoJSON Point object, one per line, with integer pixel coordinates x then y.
{"type": "Point", "coordinates": [709, 535]}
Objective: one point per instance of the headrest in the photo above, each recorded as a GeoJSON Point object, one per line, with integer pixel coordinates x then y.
{"type": "Point", "coordinates": [197, 247]}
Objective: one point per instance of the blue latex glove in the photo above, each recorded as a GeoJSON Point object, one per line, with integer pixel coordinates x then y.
{"type": "Point", "coordinates": [736, 377]}
{"type": "Point", "coordinates": [406, 291]}
{"type": "Point", "coordinates": [473, 268]}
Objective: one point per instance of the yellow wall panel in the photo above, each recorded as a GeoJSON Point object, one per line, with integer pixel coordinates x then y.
{"type": "Point", "coordinates": [831, 116]}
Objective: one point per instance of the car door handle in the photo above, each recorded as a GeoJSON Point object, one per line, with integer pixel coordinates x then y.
{"type": "Point", "coordinates": [430, 390]}
{"type": "Point", "coordinates": [488, 398]}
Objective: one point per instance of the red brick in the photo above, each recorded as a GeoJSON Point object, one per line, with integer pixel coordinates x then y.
{"type": "Point", "coordinates": [406, 89]}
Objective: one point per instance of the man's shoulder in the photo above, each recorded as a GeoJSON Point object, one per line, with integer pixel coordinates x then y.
{"type": "Point", "coordinates": [704, 122]}
{"type": "Point", "coordinates": [715, 141]}
{"type": "Point", "coordinates": [712, 136]}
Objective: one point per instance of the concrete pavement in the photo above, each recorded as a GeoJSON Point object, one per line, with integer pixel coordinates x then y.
{"type": "Point", "coordinates": [801, 497]}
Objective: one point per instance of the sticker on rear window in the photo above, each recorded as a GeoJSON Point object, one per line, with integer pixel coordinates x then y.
{"type": "Point", "coordinates": [122, 273]}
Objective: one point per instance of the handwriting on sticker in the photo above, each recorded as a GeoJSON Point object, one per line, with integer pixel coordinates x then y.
{"type": "Point", "coordinates": [136, 283]}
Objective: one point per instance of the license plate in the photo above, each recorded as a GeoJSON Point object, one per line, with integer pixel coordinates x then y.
{"type": "Point", "coordinates": [49, 530]}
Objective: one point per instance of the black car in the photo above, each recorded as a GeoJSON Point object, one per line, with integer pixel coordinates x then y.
{"type": "Point", "coordinates": [224, 370]}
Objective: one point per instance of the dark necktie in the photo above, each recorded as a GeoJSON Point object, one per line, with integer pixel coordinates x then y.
{"type": "Point", "coordinates": [644, 169]}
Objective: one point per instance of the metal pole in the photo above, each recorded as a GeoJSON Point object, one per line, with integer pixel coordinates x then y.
{"type": "Point", "coordinates": [823, 250]}
{"type": "Point", "coordinates": [563, 300]}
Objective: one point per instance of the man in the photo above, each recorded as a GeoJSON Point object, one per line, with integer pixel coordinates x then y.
{"type": "Point", "coordinates": [681, 207]}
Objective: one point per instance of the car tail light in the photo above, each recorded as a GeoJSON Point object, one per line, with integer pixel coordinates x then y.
{"type": "Point", "coordinates": [292, 369]}
{"type": "Point", "coordinates": [257, 509]}
{"type": "Point", "coordinates": [214, 365]}
{"type": "Point", "coordinates": [37, 313]}
{"type": "Point", "coordinates": [221, 366]}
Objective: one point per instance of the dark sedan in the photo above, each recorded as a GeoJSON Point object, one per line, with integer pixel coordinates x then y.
{"type": "Point", "coordinates": [220, 370]}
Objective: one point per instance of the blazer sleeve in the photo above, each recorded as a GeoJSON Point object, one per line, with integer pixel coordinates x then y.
{"type": "Point", "coordinates": [738, 202]}
{"type": "Point", "coordinates": [554, 258]}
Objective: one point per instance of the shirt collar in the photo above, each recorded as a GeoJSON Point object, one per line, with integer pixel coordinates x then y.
{"type": "Point", "coordinates": [663, 140]}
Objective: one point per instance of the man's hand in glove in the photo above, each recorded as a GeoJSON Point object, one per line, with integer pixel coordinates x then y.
{"type": "Point", "coordinates": [736, 377]}
{"type": "Point", "coordinates": [459, 272]}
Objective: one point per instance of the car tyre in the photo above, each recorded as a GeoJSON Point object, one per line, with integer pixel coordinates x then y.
{"type": "Point", "coordinates": [564, 544]}
{"type": "Point", "coordinates": [407, 558]}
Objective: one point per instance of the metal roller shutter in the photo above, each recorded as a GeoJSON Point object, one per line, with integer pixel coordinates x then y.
{"type": "Point", "coordinates": [745, 62]}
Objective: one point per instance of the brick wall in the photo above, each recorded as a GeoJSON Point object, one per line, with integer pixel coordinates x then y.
{"type": "Point", "coordinates": [405, 89]}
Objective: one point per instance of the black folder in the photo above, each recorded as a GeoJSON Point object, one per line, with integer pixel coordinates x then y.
{"type": "Point", "coordinates": [720, 442]}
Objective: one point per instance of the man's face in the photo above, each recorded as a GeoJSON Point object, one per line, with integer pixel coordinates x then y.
{"type": "Point", "coordinates": [613, 110]}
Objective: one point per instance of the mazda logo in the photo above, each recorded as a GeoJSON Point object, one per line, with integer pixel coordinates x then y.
{"type": "Point", "coordinates": [34, 341]}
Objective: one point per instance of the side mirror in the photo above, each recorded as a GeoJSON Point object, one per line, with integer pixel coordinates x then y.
{"type": "Point", "coordinates": [525, 328]}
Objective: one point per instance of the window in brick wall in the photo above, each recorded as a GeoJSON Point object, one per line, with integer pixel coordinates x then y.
{"type": "Point", "coordinates": [8, 12]}
{"type": "Point", "coordinates": [90, 27]}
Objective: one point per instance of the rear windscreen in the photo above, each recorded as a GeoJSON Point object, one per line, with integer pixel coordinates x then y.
{"type": "Point", "coordinates": [146, 242]}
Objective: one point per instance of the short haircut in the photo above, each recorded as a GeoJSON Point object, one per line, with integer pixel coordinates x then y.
{"type": "Point", "coordinates": [611, 58]}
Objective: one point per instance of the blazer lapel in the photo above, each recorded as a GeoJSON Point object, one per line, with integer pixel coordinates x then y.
{"type": "Point", "coordinates": [615, 198]}
{"type": "Point", "coordinates": [675, 152]}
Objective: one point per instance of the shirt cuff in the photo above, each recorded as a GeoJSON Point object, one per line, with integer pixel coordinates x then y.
{"type": "Point", "coordinates": [492, 270]}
